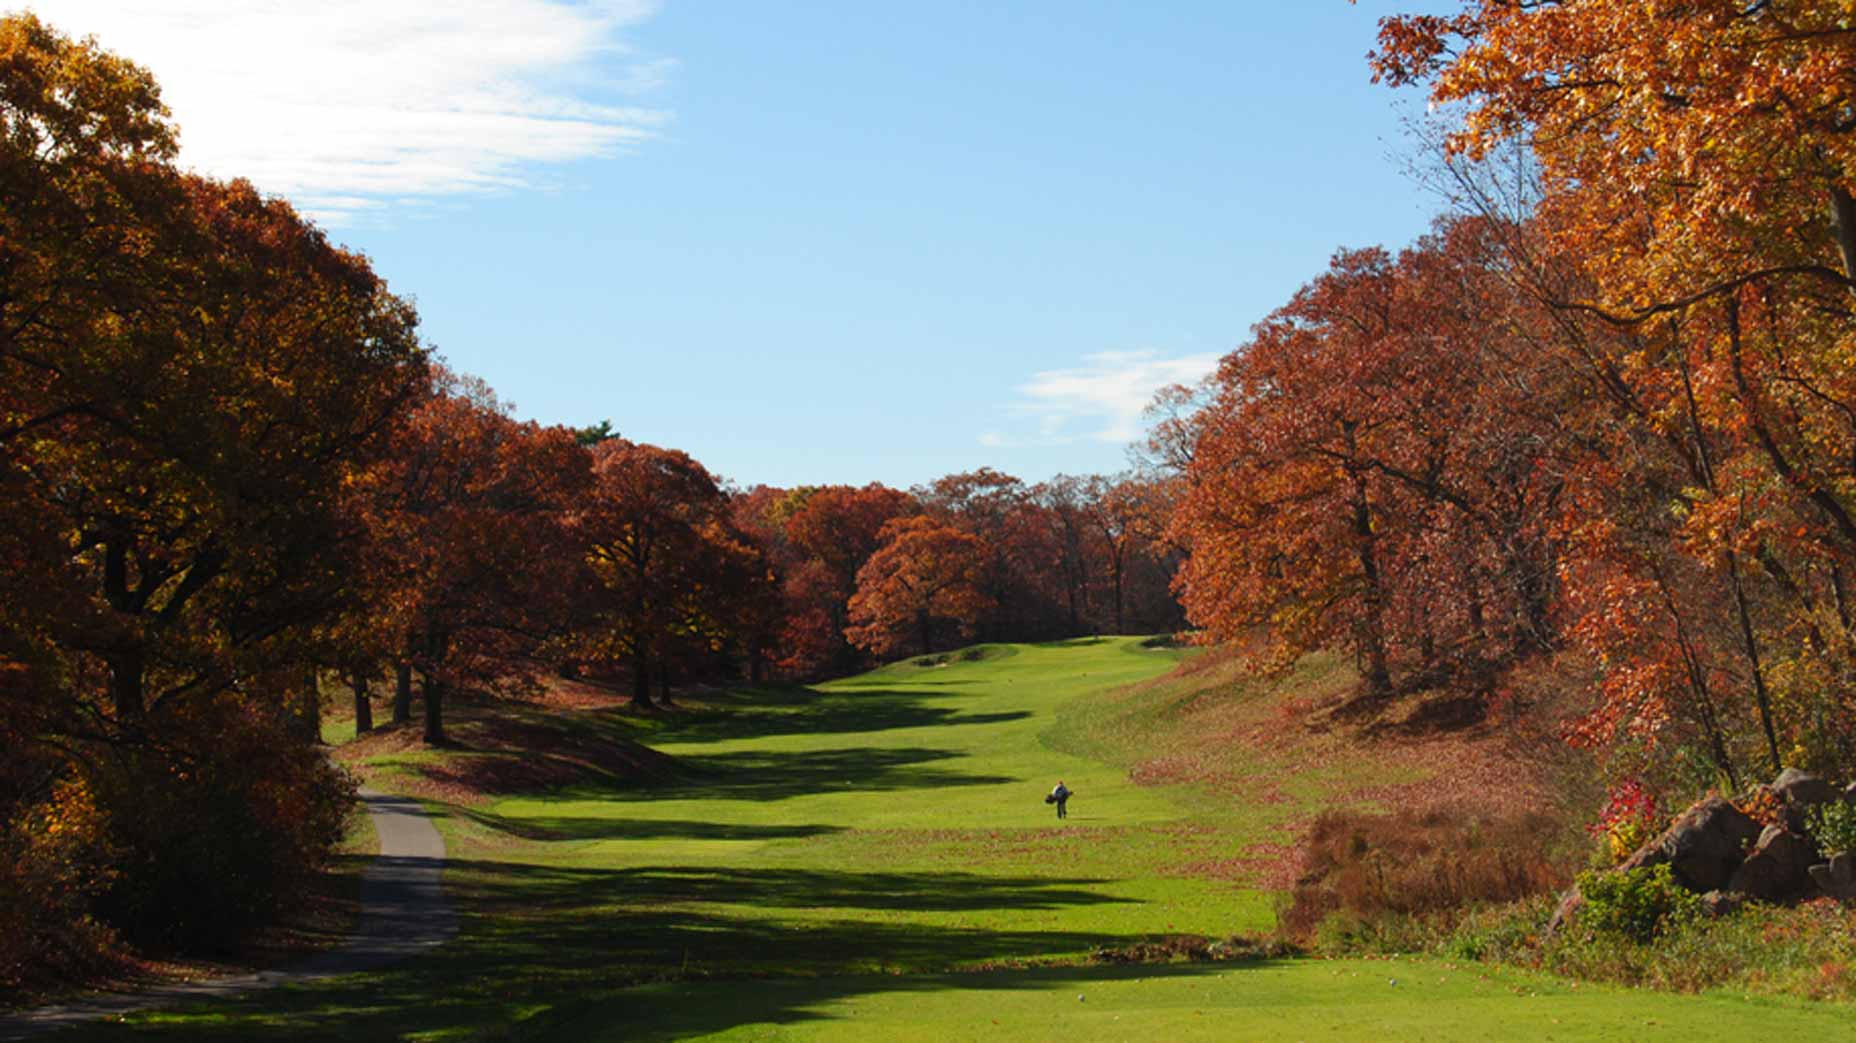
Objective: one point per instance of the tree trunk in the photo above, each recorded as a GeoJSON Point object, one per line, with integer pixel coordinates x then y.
{"type": "Point", "coordinates": [434, 711]}
{"type": "Point", "coordinates": [1476, 623]}
{"type": "Point", "coordinates": [641, 680]}
{"type": "Point", "coordinates": [1536, 608]}
{"type": "Point", "coordinates": [363, 706]}
{"type": "Point", "coordinates": [402, 693]}
{"type": "Point", "coordinates": [1372, 627]}
{"type": "Point", "coordinates": [1703, 709]}
{"type": "Point", "coordinates": [126, 670]}
{"type": "Point", "coordinates": [304, 709]}
{"type": "Point", "coordinates": [1843, 210]}
{"type": "Point", "coordinates": [1120, 628]}
{"type": "Point", "coordinates": [663, 682]}
{"type": "Point", "coordinates": [1761, 697]}
{"type": "Point", "coordinates": [927, 631]}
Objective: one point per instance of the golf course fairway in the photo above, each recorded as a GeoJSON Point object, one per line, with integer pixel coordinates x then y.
{"type": "Point", "coordinates": [871, 859]}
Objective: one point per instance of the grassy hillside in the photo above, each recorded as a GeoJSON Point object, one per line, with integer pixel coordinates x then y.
{"type": "Point", "coordinates": [872, 859]}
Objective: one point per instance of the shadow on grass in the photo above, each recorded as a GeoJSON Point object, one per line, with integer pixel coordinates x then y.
{"type": "Point", "coordinates": [761, 775]}
{"type": "Point", "coordinates": [545, 947]}
{"type": "Point", "coordinates": [784, 712]}
{"type": "Point", "coordinates": [680, 1010]}
{"type": "Point", "coordinates": [571, 827]}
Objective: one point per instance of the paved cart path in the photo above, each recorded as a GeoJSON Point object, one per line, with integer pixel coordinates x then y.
{"type": "Point", "coordinates": [403, 913]}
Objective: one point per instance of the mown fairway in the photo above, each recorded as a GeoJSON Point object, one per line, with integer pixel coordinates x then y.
{"type": "Point", "coordinates": [873, 861]}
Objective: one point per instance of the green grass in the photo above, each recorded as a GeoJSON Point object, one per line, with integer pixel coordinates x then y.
{"type": "Point", "coordinates": [872, 859]}
{"type": "Point", "coordinates": [1292, 999]}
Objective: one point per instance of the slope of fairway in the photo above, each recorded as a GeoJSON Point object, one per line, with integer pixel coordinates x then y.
{"type": "Point", "coordinates": [911, 797]}
{"type": "Point", "coordinates": [872, 859]}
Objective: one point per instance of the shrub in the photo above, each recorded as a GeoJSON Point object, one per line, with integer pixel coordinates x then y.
{"type": "Point", "coordinates": [53, 861]}
{"type": "Point", "coordinates": [1388, 881]}
{"type": "Point", "coordinates": [1636, 903]}
{"type": "Point", "coordinates": [1631, 817]}
{"type": "Point", "coordinates": [1833, 826]}
{"type": "Point", "coordinates": [215, 829]}
{"type": "Point", "coordinates": [1504, 932]}
{"type": "Point", "coordinates": [1801, 950]}
{"type": "Point", "coordinates": [54, 858]}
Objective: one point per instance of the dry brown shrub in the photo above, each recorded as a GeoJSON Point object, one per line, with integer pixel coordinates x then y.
{"type": "Point", "coordinates": [1426, 864]}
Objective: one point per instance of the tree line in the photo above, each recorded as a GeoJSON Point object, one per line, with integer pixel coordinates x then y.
{"type": "Point", "coordinates": [1607, 406]}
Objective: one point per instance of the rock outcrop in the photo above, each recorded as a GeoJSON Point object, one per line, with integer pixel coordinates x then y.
{"type": "Point", "coordinates": [1837, 878]}
{"type": "Point", "coordinates": [1728, 857]}
{"type": "Point", "coordinates": [1778, 869]}
{"type": "Point", "coordinates": [1801, 787]}
{"type": "Point", "coordinates": [1703, 847]}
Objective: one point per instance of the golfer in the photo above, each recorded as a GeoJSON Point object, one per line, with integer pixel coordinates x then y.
{"type": "Point", "coordinates": [1061, 796]}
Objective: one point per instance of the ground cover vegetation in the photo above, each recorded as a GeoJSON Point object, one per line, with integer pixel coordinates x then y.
{"type": "Point", "coordinates": [1565, 486]}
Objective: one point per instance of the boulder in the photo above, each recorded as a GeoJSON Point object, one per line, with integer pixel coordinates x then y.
{"type": "Point", "coordinates": [1837, 878]}
{"type": "Point", "coordinates": [1703, 847]}
{"type": "Point", "coordinates": [1721, 903]}
{"type": "Point", "coordinates": [1777, 869]}
{"type": "Point", "coordinates": [1802, 787]}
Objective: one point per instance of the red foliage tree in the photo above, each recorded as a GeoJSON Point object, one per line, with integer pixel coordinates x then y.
{"type": "Point", "coordinates": [926, 578]}
{"type": "Point", "coordinates": [674, 574]}
{"type": "Point", "coordinates": [478, 560]}
{"type": "Point", "coordinates": [1373, 473]}
{"type": "Point", "coordinates": [832, 531]}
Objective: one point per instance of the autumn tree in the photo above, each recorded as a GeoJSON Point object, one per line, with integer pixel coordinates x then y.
{"type": "Point", "coordinates": [1019, 579]}
{"type": "Point", "coordinates": [1070, 548]}
{"type": "Point", "coordinates": [928, 577]}
{"type": "Point", "coordinates": [1696, 165]}
{"type": "Point", "coordinates": [673, 572]}
{"type": "Point", "coordinates": [1114, 509]}
{"type": "Point", "coordinates": [190, 377]}
{"type": "Point", "coordinates": [832, 532]}
{"type": "Point", "coordinates": [1377, 471]}
{"type": "Point", "coordinates": [472, 516]}
{"type": "Point", "coordinates": [199, 446]}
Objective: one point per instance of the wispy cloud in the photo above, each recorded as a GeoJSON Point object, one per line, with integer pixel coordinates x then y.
{"type": "Point", "coordinates": [349, 106]}
{"type": "Point", "coordinates": [1108, 392]}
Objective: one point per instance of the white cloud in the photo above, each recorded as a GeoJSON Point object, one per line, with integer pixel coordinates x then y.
{"type": "Point", "coordinates": [346, 106]}
{"type": "Point", "coordinates": [1110, 389]}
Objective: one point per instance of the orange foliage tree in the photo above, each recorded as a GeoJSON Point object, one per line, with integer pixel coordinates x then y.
{"type": "Point", "coordinates": [1371, 472]}
{"type": "Point", "coordinates": [927, 577]}
{"type": "Point", "coordinates": [477, 556]}
{"type": "Point", "coordinates": [832, 531]}
{"type": "Point", "coordinates": [1697, 166]}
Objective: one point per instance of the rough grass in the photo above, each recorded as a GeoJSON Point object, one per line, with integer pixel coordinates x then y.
{"type": "Point", "coordinates": [573, 734]}
{"type": "Point", "coordinates": [872, 859]}
{"type": "Point", "coordinates": [1430, 865]}
{"type": "Point", "coordinates": [1807, 950]}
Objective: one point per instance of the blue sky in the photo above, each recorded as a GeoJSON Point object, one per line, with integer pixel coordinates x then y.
{"type": "Point", "coordinates": [813, 242]}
